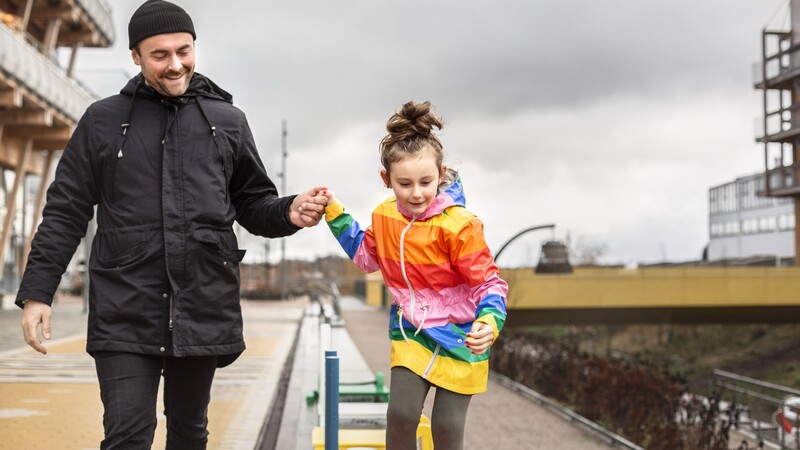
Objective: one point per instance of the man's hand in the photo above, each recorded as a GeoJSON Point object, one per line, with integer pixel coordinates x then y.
{"type": "Point", "coordinates": [33, 315]}
{"type": "Point", "coordinates": [308, 208]}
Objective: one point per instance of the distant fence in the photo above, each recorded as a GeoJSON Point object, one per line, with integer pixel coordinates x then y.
{"type": "Point", "coordinates": [771, 412]}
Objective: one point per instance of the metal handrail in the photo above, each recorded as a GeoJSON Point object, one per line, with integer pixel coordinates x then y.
{"type": "Point", "coordinates": [755, 382]}
{"type": "Point", "coordinates": [750, 388]}
{"type": "Point", "coordinates": [331, 290]}
{"type": "Point", "coordinates": [749, 393]}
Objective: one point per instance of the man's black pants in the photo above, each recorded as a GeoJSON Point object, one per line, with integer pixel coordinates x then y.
{"type": "Point", "coordinates": [129, 390]}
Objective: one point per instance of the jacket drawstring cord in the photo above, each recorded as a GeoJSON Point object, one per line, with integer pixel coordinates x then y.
{"type": "Point", "coordinates": [211, 127]}
{"type": "Point", "coordinates": [400, 322]}
{"type": "Point", "coordinates": [424, 308]}
{"type": "Point", "coordinates": [127, 122]}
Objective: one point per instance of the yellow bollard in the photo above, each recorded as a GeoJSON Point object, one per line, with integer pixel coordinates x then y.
{"type": "Point", "coordinates": [372, 439]}
{"type": "Point", "coordinates": [424, 436]}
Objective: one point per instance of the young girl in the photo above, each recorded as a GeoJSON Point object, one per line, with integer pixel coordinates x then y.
{"type": "Point", "coordinates": [448, 301]}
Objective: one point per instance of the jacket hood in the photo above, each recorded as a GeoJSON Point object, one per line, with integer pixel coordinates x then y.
{"type": "Point", "coordinates": [200, 86]}
{"type": "Point", "coordinates": [451, 193]}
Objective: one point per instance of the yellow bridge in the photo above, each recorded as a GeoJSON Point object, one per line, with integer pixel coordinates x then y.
{"type": "Point", "coordinates": [685, 294]}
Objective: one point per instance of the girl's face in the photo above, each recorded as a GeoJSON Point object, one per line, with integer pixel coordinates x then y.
{"type": "Point", "coordinates": [414, 180]}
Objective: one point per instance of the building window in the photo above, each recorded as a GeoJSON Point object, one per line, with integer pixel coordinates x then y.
{"type": "Point", "coordinates": [750, 226]}
{"type": "Point", "coordinates": [712, 201]}
{"type": "Point", "coordinates": [732, 227]}
{"type": "Point", "coordinates": [786, 222]}
{"type": "Point", "coordinates": [716, 229]}
{"type": "Point", "coordinates": [767, 223]}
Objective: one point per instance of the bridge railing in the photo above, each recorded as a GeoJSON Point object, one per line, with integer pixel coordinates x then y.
{"type": "Point", "coordinates": [772, 411]}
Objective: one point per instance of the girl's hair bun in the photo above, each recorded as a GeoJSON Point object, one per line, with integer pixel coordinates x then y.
{"type": "Point", "coordinates": [413, 120]}
{"type": "Point", "coordinates": [411, 127]}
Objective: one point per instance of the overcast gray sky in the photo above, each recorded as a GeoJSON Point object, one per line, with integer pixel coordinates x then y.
{"type": "Point", "coordinates": [610, 119]}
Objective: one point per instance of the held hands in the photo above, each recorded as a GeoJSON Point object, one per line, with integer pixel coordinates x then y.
{"type": "Point", "coordinates": [329, 196]}
{"type": "Point", "coordinates": [308, 208]}
{"type": "Point", "coordinates": [480, 338]}
{"type": "Point", "coordinates": [36, 314]}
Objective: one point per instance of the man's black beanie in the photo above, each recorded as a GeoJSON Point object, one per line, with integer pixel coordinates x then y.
{"type": "Point", "coordinates": [158, 17]}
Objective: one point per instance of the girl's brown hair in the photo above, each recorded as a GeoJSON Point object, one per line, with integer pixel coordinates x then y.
{"type": "Point", "coordinates": [409, 131]}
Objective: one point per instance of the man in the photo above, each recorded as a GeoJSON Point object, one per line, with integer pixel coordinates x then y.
{"type": "Point", "coordinates": [170, 163]}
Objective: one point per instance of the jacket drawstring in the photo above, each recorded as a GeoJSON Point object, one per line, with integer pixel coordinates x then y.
{"type": "Point", "coordinates": [400, 322]}
{"type": "Point", "coordinates": [211, 127]}
{"type": "Point", "coordinates": [424, 308]}
{"type": "Point", "coordinates": [127, 122]}
{"type": "Point", "coordinates": [405, 277]}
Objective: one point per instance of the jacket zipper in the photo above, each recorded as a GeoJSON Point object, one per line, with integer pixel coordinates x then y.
{"type": "Point", "coordinates": [430, 363]}
{"type": "Point", "coordinates": [413, 297]}
{"type": "Point", "coordinates": [170, 313]}
{"type": "Point", "coordinates": [403, 268]}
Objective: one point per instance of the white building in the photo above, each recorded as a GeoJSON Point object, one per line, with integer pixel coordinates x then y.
{"type": "Point", "coordinates": [742, 224]}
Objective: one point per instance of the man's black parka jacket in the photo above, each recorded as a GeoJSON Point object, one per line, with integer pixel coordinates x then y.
{"type": "Point", "coordinates": [169, 176]}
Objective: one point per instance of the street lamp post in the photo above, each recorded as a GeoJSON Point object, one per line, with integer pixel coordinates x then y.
{"type": "Point", "coordinates": [284, 154]}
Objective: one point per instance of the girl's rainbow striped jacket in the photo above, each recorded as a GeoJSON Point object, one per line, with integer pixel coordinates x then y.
{"type": "Point", "coordinates": [441, 277]}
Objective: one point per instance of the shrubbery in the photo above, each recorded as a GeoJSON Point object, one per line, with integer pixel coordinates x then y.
{"type": "Point", "coordinates": [637, 401]}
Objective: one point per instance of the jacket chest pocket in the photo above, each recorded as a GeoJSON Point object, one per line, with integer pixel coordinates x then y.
{"type": "Point", "coordinates": [132, 173]}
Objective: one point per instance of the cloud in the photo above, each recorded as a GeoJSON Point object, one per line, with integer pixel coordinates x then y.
{"type": "Point", "coordinates": [610, 119]}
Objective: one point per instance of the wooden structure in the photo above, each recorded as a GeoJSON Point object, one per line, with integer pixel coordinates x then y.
{"type": "Point", "coordinates": [40, 102]}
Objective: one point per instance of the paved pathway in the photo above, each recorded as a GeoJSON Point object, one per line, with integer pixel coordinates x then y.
{"type": "Point", "coordinates": [497, 419]}
{"type": "Point", "coordinates": [53, 402]}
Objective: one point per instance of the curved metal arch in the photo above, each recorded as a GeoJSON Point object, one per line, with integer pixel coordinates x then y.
{"type": "Point", "coordinates": [537, 227]}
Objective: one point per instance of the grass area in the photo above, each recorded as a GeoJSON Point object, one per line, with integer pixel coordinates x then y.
{"type": "Point", "coordinates": [763, 351]}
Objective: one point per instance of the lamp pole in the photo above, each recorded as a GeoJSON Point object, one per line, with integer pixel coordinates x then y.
{"type": "Point", "coordinates": [284, 154]}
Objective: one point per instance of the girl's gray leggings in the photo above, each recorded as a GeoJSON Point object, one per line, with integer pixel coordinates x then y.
{"type": "Point", "coordinates": [406, 398]}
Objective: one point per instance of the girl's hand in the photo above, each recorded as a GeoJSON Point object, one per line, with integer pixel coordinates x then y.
{"type": "Point", "coordinates": [480, 338]}
{"type": "Point", "coordinates": [328, 194]}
